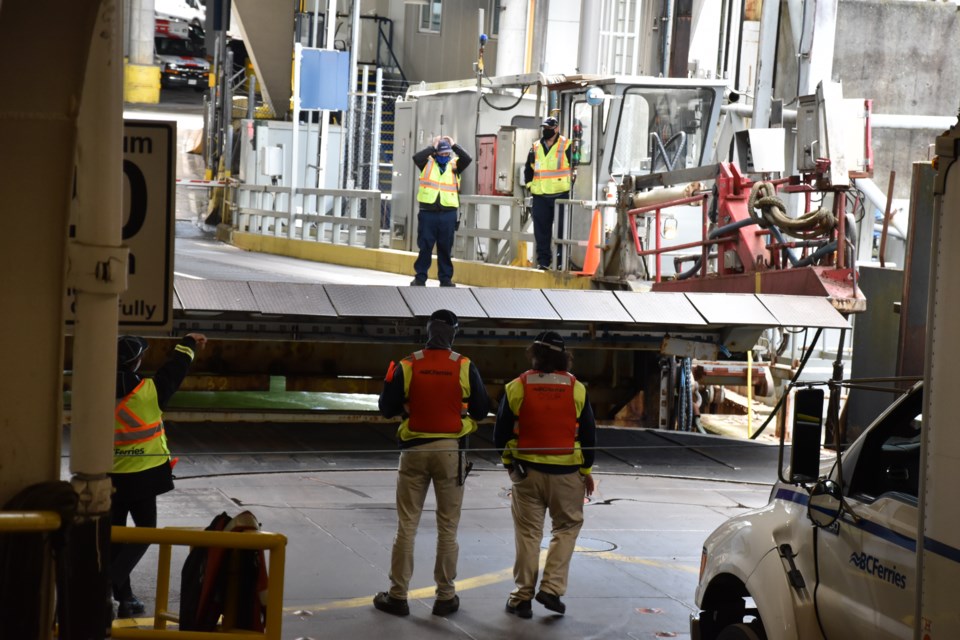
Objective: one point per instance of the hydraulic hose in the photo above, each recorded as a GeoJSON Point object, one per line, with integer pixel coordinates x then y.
{"type": "Point", "coordinates": [813, 224]}
{"type": "Point", "coordinates": [715, 233]}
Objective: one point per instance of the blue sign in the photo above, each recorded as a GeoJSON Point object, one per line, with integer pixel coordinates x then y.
{"type": "Point", "coordinates": [324, 79]}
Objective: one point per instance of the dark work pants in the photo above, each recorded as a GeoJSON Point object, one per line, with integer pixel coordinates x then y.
{"type": "Point", "coordinates": [543, 212]}
{"type": "Point", "coordinates": [124, 557]}
{"type": "Point", "coordinates": [435, 228]}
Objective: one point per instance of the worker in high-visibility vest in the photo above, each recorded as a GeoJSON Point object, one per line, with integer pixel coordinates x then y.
{"type": "Point", "coordinates": [142, 467]}
{"type": "Point", "coordinates": [546, 435]}
{"type": "Point", "coordinates": [548, 175]}
{"type": "Point", "coordinates": [439, 396]}
{"type": "Point", "coordinates": [441, 166]}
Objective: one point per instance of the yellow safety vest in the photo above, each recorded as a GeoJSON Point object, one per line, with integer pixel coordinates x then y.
{"type": "Point", "coordinates": [139, 441]}
{"type": "Point", "coordinates": [551, 170]}
{"type": "Point", "coordinates": [447, 184]}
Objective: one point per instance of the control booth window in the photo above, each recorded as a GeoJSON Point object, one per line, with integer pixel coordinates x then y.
{"type": "Point", "coordinates": [430, 13]}
{"type": "Point", "coordinates": [582, 132]}
{"type": "Point", "coordinates": [660, 129]}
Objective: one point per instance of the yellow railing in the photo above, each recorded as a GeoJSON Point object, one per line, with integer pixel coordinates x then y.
{"type": "Point", "coordinates": [26, 521]}
{"type": "Point", "coordinates": [274, 543]}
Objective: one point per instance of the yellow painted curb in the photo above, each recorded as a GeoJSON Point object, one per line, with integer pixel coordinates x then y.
{"type": "Point", "coordinates": [477, 274]}
{"type": "Point", "coordinates": [141, 83]}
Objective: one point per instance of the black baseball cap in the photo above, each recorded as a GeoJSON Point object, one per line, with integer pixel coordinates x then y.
{"type": "Point", "coordinates": [129, 349]}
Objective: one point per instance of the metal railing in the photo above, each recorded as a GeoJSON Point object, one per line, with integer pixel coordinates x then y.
{"type": "Point", "coordinates": [274, 543]}
{"type": "Point", "coordinates": [502, 234]}
{"type": "Point", "coordinates": [352, 219]}
{"type": "Point", "coordinates": [658, 250]}
{"type": "Point", "coordinates": [29, 521]}
{"type": "Point", "coordinates": [492, 228]}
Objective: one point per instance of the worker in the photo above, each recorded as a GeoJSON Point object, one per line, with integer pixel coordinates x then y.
{"type": "Point", "coordinates": [142, 467]}
{"type": "Point", "coordinates": [549, 457]}
{"type": "Point", "coordinates": [440, 395]}
{"type": "Point", "coordinates": [441, 166]}
{"type": "Point", "coordinates": [548, 176]}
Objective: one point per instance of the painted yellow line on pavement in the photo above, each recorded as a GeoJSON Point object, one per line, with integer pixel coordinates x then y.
{"type": "Point", "coordinates": [619, 557]}
{"type": "Point", "coordinates": [466, 584]}
{"type": "Point", "coordinates": [487, 579]}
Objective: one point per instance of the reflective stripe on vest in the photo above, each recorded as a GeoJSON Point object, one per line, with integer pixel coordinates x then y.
{"type": "Point", "coordinates": [437, 383]}
{"type": "Point", "coordinates": [548, 415]}
{"type": "Point", "coordinates": [432, 182]}
{"type": "Point", "coordinates": [139, 442]}
{"type": "Point", "coordinates": [551, 170]}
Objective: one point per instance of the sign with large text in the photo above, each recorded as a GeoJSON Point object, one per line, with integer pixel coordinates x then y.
{"type": "Point", "coordinates": [148, 223]}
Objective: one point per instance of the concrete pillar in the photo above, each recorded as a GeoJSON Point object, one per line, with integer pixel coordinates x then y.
{"type": "Point", "coordinates": [141, 77]}
{"type": "Point", "coordinates": [512, 46]}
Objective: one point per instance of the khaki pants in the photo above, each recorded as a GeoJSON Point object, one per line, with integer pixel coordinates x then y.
{"type": "Point", "coordinates": [532, 497]}
{"type": "Point", "coordinates": [437, 462]}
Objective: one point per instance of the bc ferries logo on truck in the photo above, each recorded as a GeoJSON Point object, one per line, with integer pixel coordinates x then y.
{"type": "Point", "coordinates": [873, 566]}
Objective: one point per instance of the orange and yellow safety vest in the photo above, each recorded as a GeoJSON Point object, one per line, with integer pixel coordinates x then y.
{"type": "Point", "coordinates": [447, 184]}
{"type": "Point", "coordinates": [139, 441]}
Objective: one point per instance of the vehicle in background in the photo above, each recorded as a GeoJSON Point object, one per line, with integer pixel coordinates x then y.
{"type": "Point", "coordinates": [834, 552]}
{"type": "Point", "coordinates": [180, 54]}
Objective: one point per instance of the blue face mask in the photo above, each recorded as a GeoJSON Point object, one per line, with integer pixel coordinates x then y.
{"type": "Point", "coordinates": [443, 160]}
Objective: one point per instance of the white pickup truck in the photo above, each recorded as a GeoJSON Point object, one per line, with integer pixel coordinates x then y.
{"type": "Point", "coordinates": [834, 552]}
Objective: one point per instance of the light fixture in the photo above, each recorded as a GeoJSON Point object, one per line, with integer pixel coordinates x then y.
{"type": "Point", "coordinates": [668, 228]}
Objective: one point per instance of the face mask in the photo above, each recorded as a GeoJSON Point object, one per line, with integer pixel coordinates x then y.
{"type": "Point", "coordinates": [443, 160]}
{"type": "Point", "coordinates": [548, 132]}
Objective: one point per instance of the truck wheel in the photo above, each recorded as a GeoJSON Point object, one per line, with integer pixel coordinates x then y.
{"type": "Point", "coordinates": [740, 631]}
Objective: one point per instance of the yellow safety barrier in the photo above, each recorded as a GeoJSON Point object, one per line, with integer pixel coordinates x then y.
{"type": "Point", "coordinates": [274, 543]}
{"type": "Point", "coordinates": [27, 521]}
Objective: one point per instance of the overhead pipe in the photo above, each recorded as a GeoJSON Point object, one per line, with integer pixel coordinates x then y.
{"type": "Point", "coordinates": [667, 38]}
{"type": "Point", "coordinates": [589, 48]}
{"type": "Point", "coordinates": [720, 36]}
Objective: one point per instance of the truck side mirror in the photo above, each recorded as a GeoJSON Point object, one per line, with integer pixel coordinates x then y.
{"type": "Point", "coordinates": [823, 509]}
{"type": "Point", "coordinates": [807, 431]}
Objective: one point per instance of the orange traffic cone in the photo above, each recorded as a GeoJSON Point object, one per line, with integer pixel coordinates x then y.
{"type": "Point", "coordinates": [592, 260]}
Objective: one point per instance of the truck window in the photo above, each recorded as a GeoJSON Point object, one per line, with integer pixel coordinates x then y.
{"type": "Point", "coordinates": [178, 47]}
{"type": "Point", "coordinates": [889, 462]}
{"type": "Point", "coordinates": [660, 129]}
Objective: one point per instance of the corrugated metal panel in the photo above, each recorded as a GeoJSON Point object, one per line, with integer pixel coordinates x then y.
{"type": "Point", "coordinates": [515, 304]}
{"type": "Point", "coordinates": [289, 297]}
{"type": "Point", "coordinates": [425, 300]}
{"type": "Point", "coordinates": [215, 295]}
{"type": "Point", "coordinates": [587, 306]}
{"type": "Point", "coordinates": [660, 308]}
{"type": "Point", "coordinates": [803, 311]}
{"type": "Point", "coordinates": [367, 301]}
{"type": "Point", "coordinates": [734, 309]}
